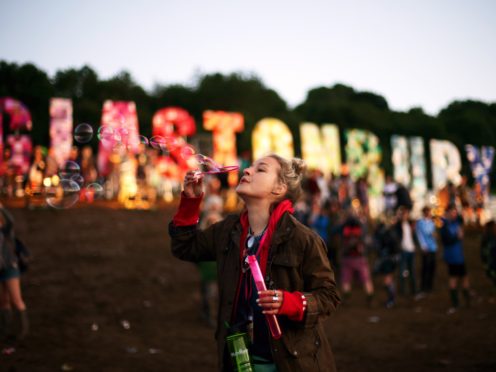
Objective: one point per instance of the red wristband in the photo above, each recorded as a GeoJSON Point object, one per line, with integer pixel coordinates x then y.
{"type": "Point", "coordinates": [188, 212]}
{"type": "Point", "coordinates": [293, 305]}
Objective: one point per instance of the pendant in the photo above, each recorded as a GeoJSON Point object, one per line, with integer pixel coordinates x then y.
{"type": "Point", "coordinates": [250, 242]}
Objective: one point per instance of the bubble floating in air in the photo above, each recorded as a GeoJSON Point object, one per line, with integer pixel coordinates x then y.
{"type": "Point", "coordinates": [65, 195]}
{"type": "Point", "coordinates": [83, 133]}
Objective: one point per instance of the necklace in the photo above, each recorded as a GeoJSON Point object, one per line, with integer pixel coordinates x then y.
{"type": "Point", "coordinates": [250, 241]}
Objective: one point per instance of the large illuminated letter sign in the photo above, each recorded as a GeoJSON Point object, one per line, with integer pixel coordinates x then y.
{"type": "Point", "coordinates": [481, 162]}
{"type": "Point", "coordinates": [61, 129]}
{"type": "Point", "coordinates": [118, 134]}
{"type": "Point", "coordinates": [401, 172]}
{"type": "Point", "coordinates": [409, 170]}
{"type": "Point", "coordinates": [20, 119]}
{"type": "Point", "coordinates": [20, 145]}
{"type": "Point", "coordinates": [418, 170]}
{"type": "Point", "coordinates": [363, 156]}
{"type": "Point", "coordinates": [446, 163]}
{"type": "Point", "coordinates": [272, 135]}
{"type": "Point", "coordinates": [173, 124]}
{"type": "Point", "coordinates": [224, 125]}
{"type": "Point", "coordinates": [320, 147]}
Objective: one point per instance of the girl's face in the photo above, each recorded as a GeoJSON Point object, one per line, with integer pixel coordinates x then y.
{"type": "Point", "coordinates": [261, 180]}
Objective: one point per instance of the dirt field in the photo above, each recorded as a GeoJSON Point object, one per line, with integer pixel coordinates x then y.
{"type": "Point", "coordinates": [105, 294]}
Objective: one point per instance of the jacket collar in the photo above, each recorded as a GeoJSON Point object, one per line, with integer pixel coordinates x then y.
{"type": "Point", "coordinates": [283, 231]}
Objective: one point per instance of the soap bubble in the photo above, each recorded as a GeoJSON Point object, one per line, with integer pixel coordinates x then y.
{"type": "Point", "coordinates": [95, 189]}
{"type": "Point", "coordinates": [207, 165]}
{"type": "Point", "coordinates": [158, 143]}
{"type": "Point", "coordinates": [106, 135]}
{"type": "Point", "coordinates": [187, 152]}
{"type": "Point", "coordinates": [83, 133]}
{"type": "Point", "coordinates": [65, 195]}
{"type": "Point", "coordinates": [143, 140]}
{"type": "Point", "coordinates": [134, 142]}
{"type": "Point", "coordinates": [91, 192]}
{"type": "Point", "coordinates": [70, 169]}
{"type": "Point", "coordinates": [171, 142]}
{"type": "Point", "coordinates": [78, 179]}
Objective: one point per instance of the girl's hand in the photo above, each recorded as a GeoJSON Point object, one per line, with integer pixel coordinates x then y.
{"type": "Point", "coordinates": [270, 301]}
{"type": "Point", "coordinates": [193, 184]}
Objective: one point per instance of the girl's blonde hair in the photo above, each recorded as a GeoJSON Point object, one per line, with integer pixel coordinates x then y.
{"type": "Point", "coordinates": [291, 174]}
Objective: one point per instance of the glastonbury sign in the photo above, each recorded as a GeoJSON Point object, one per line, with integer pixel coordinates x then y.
{"type": "Point", "coordinates": [320, 144]}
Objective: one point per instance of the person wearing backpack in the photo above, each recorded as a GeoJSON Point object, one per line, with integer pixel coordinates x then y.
{"type": "Point", "coordinates": [353, 257]}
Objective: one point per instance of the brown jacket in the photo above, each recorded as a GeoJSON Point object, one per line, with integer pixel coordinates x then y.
{"type": "Point", "coordinates": [297, 262]}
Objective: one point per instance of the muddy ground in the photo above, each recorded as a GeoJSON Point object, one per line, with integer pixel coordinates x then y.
{"type": "Point", "coordinates": [105, 294]}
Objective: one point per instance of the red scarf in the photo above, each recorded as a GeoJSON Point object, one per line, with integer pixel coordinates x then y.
{"type": "Point", "coordinates": [275, 216]}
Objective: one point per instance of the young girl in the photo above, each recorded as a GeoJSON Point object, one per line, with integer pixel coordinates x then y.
{"type": "Point", "coordinates": [301, 289]}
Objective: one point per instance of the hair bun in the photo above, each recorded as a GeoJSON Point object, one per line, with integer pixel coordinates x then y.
{"type": "Point", "coordinates": [299, 166]}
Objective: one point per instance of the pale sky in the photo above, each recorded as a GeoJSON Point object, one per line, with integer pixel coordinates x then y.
{"type": "Point", "coordinates": [414, 53]}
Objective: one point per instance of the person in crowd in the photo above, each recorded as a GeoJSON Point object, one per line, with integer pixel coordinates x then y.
{"type": "Point", "coordinates": [301, 290]}
{"type": "Point", "coordinates": [52, 168]}
{"type": "Point", "coordinates": [479, 202]}
{"type": "Point", "coordinates": [74, 155]}
{"type": "Point", "coordinates": [405, 229]}
{"type": "Point", "coordinates": [335, 220]}
{"type": "Point", "coordinates": [426, 237]}
{"type": "Point", "coordinates": [353, 259]}
{"type": "Point", "coordinates": [324, 191]}
{"type": "Point", "coordinates": [452, 239]}
{"type": "Point", "coordinates": [88, 165]}
{"type": "Point", "coordinates": [488, 250]}
{"type": "Point", "coordinates": [388, 250]}
{"type": "Point", "coordinates": [312, 184]}
{"type": "Point", "coordinates": [346, 189]}
{"type": "Point", "coordinates": [464, 196]}
{"type": "Point", "coordinates": [213, 203]}
{"type": "Point", "coordinates": [6, 180]}
{"type": "Point", "coordinates": [389, 192]}
{"type": "Point", "coordinates": [362, 193]}
{"type": "Point", "coordinates": [447, 195]}
{"type": "Point", "coordinates": [403, 198]}
{"type": "Point", "coordinates": [36, 174]}
{"type": "Point", "coordinates": [333, 186]}
{"type": "Point", "coordinates": [320, 222]}
{"type": "Point", "coordinates": [212, 212]}
{"type": "Point", "coordinates": [302, 209]}
{"type": "Point", "coordinates": [10, 283]}
{"type": "Point", "coordinates": [88, 174]}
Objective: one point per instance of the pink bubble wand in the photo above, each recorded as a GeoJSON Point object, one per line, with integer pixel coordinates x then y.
{"type": "Point", "coordinates": [272, 321]}
{"type": "Point", "coordinates": [209, 166]}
